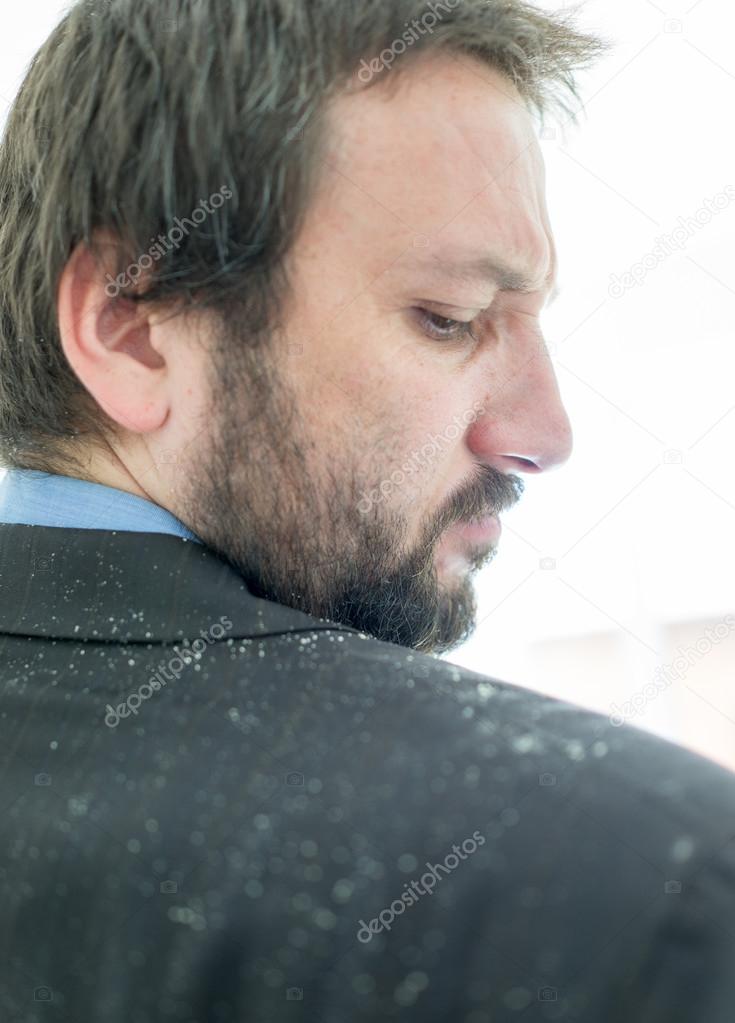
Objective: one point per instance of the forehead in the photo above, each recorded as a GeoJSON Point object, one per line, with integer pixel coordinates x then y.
{"type": "Point", "coordinates": [447, 149]}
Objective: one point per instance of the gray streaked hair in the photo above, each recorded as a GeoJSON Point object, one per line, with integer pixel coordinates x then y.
{"type": "Point", "coordinates": [134, 111]}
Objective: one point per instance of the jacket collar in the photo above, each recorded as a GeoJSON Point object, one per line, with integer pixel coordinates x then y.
{"type": "Point", "coordinates": [93, 584]}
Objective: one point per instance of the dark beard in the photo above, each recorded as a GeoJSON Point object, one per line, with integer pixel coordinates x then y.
{"type": "Point", "coordinates": [297, 537]}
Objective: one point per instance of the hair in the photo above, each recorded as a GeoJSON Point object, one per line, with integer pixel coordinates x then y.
{"type": "Point", "coordinates": [134, 114]}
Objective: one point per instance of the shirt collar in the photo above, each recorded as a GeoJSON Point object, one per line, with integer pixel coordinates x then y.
{"type": "Point", "coordinates": [32, 498]}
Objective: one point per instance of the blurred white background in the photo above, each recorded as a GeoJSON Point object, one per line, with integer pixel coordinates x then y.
{"type": "Point", "coordinates": [613, 569]}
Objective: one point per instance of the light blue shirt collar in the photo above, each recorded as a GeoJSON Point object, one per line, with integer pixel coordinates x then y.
{"type": "Point", "coordinates": [32, 498]}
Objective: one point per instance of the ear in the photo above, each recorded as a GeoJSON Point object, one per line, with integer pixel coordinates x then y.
{"type": "Point", "coordinates": [108, 342]}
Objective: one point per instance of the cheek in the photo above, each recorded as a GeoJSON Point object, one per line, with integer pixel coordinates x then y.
{"type": "Point", "coordinates": [383, 405]}
{"type": "Point", "coordinates": [414, 462]}
{"type": "Point", "coordinates": [418, 409]}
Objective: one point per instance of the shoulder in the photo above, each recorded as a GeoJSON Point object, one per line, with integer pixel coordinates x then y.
{"type": "Point", "coordinates": [537, 826]}
{"type": "Point", "coordinates": [493, 743]}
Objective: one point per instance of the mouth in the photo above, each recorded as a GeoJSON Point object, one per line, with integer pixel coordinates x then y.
{"type": "Point", "coordinates": [484, 530]}
{"type": "Point", "coordinates": [464, 543]}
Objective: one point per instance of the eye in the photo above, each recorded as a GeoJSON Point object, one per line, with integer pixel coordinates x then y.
{"type": "Point", "coordinates": [441, 328]}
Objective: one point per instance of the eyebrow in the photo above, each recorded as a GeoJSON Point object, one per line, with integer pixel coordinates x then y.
{"type": "Point", "coordinates": [484, 269]}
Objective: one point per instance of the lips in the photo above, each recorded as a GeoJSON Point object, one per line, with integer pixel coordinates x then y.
{"type": "Point", "coordinates": [485, 530]}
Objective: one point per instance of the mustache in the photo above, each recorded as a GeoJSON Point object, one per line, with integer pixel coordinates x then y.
{"type": "Point", "coordinates": [491, 493]}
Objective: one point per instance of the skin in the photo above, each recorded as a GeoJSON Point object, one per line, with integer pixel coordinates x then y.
{"type": "Point", "coordinates": [272, 460]}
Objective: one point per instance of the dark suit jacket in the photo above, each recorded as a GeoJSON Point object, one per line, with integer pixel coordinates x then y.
{"type": "Point", "coordinates": [290, 821]}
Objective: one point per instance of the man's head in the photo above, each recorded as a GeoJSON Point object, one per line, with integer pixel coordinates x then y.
{"type": "Point", "coordinates": [281, 275]}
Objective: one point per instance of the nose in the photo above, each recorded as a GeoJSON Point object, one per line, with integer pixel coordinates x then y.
{"type": "Point", "coordinates": [524, 426]}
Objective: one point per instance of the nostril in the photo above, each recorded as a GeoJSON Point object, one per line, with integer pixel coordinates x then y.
{"type": "Point", "coordinates": [524, 464]}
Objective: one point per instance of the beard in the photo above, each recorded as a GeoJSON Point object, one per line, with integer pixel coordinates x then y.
{"type": "Point", "coordinates": [259, 494]}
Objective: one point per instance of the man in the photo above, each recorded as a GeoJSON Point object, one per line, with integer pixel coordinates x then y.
{"type": "Point", "coordinates": [270, 368]}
